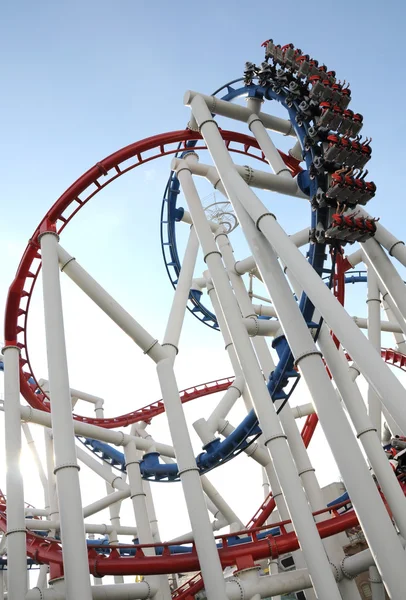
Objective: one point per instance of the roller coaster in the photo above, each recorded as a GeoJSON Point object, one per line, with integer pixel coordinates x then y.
{"type": "Point", "coordinates": [281, 314]}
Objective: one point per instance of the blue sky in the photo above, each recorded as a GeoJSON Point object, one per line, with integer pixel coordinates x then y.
{"type": "Point", "coordinates": [82, 79]}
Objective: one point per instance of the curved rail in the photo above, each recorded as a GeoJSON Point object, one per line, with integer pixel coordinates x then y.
{"type": "Point", "coordinates": [233, 550]}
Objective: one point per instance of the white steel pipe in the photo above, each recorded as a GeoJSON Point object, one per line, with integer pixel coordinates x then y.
{"type": "Point", "coordinates": [296, 151]}
{"type": "Point", "coordinates": [114, 479]}
{"type": "Point", "coordinates": [177, 314]}
{"type": "Point", "coordinates": [393, 245]}
{"type": "Point", "coordinates": [228, 342]}
{"type": "Point", "coordinates": [66, 469]}
{"type": "Point", "coordinates": [255, 450]}
{"type": "Point", "coordinates": [397, 316]}
{"type": "Point", "coordinates": [226, 403]}
{"type": "Point", "coordinates": [111, 307]}
{"type": "Point", "coordinates": [208, 488]}
{"type": "Point", "coordinates": [275, 439]}
{"type": "Point", "coordinates": [99, 528]}
{"type": "Point", "coordinates": [389, 326]}
{"type": "Point", "coordinates": [44, 385]}
{"type": "Point", "coordinates": [67, 476]}
{"type": "Point", "coordinates": [220, 503]}
{"type": "Point", "coordinates": [241, 113]}
{"type": "Point", "coordinates": [137, 429]}
{"type": "Point", "coordinates": [389, 277]}
{"type": "Point", "coordinates": [192, 489]}
{"type": "Point", "coordinates": [126, 591]}
{"type": "Point", "coordinates": [366, 433]}
{"type": "Point", "coordinates": [114, 514]}
{"type": "Point", "coordinates": [300, 238]}
{"type": "Point", "coordinates": [16, 552]}
{"type": "Point", "coordinates": [374, 336]}
{"type": "Point", "coordinates": [255, 177]}
{"type": "Point", "coordinates": [377, 587]}
{"type": "Point", "coordinates": [267, 146]}
{"type": "Point", "coordinates": [106, 501]}
{"type": "Point", "coordinates": [398, 335]}
{"type": "Point", "coordinates": [335, 425]}
{"type": "Point", "coordinates": [265, 310]}
{"type": "Point", "coordinates": [303, 465]}
{"type": "Point", "coordinates": [302, 410]}
{"type": "Point", "coordinates": [116, 437]}
{"type": "Point", "coordinates": [138, 498]}
{"type": "Point", "coordinates": [310, 363]}
{"type": "Point", "coordinates": [254, 326]}
{"type": "Point", "coordinates": [52, 490]}
{"type": "Point", "coordinates": [356, 257]}
{"type": "Point", "coordinates": [377, 373]}
{"type": "Point", "coordinates": [37, 460]}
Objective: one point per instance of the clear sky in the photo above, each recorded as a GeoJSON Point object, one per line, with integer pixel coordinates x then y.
{"type": "Point", "coordinates": [82, 79]}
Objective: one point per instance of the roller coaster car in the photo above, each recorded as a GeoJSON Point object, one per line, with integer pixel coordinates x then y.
{"type": "Point", "coordinates": [265, 74]}
{"type": "Point", "coordinates": [250, 72]}
{"type": "Point", "coordinates": [349, 228]}
{"type": "Point", "coordinates": [345, 188]}
{"type": "Point", "coordinates": [288, 54]}
{"type": "Point", "coordinates": [331, 116]}
{"type": "Point", "coordinates": [302, 65]}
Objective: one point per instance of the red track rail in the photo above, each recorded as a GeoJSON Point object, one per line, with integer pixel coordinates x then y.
{"type": "Point", "coordinates": [49, 551]}
{"type": "Point", "coordinates": [147, 413]}
{"type": "Point", "coordinates": [63, 211]}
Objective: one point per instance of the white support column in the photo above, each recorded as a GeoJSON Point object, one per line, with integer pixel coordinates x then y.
{"type": "Point", "coordinates": [267, 146]}
{"type": "Point", "coordinates": [53, 508]}
{"type": "Point", "coordinates": [334, 423]}
{"type": "Point", "coordinates": [374, 335]}
{"type": "Point", "coordinates": [117, 438]}
{"type": "Point", "coordinates": [377, 588]}
{"type": "Point", "coordinates": [16, 552]}
{"type": "Point", "coordinates": [378, 374]}
{"type": "Point", "coordinates": [312, 367]}
{"type": "Point", "coordinates": [389, 277]}
{"type": "Point", "coordinates": [190, 478]}
{"type": "Point", "coordinates": [226, 403]}
{"type": "Point", "coordinates": [365, 430]}
{"type": "Point", "coordinates": [301, 515]}
{"type": "Point", "coordinates": [258, 454]}
{"type": "Point", "coordinates": [105, 502]}
{"type": "Point", "coordinates": [398, 336]}
{"type": "Point", "coordinates": [121, 317]}
{"type": "Point", "coordinates": [228, 343]}
{"type": "Point", "coordinates": [245, 304]}
{"type": "Point", "coordinates": [70, 504]}
{"type": "Point", "coordinates": [215, 502]}
{"type": "Point", "coordinates": [393, 245]}
{"type": "Point", "coordinates": [304, 467]}
{"type": "Point", "coordinates": [241, 113]}
{"type": "Point", "coordinates": [114, 514]}
{"type": "Point", "coordinates": [138, 497]}
{"type": "Point", "coordinates": [263, 180]}
{"type": "Point", "coordinates": [180, 299]}
{"type": "Point", "coordinates": [37, 460]}
{"type": "Point", "coordinates": [299, 453]}
{"type": "Point", "coordinates": [42, 577]}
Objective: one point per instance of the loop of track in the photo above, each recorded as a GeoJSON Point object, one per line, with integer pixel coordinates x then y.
{"type": "Point", "coordinates": [65, 208]}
